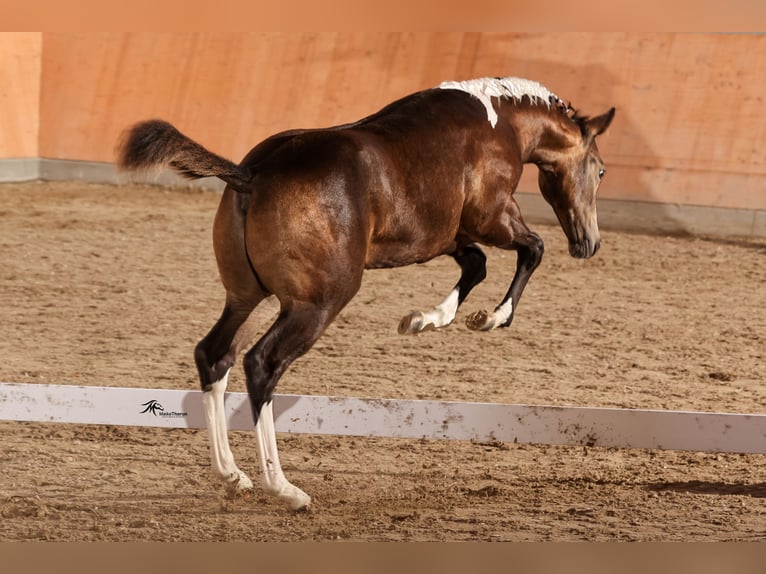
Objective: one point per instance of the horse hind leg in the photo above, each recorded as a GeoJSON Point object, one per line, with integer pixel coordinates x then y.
{"type": "Point", "coordinates": [222, 459]}
{"type": "Point", "coordinates": [473, 265]}
{"type": "Point", "coordinates": [292, 334]}
{"type": "Point", "coordinates": [214, 356]}
{"type": "Point", "coordinates": [273, 478]}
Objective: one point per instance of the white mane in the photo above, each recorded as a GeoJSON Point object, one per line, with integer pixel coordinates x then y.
{"type": "Point", "coordinates": [486, 88]}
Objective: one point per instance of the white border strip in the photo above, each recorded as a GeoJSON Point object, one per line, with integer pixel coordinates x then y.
{"type": "Point", "coordinates": [605, 427]}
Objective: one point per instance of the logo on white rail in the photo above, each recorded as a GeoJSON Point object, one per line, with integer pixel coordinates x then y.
{"type": "Point", "coordinates": [154, 407]}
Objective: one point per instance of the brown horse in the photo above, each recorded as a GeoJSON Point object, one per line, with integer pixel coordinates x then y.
{"type": "Point", "coordinates": [307, 211]}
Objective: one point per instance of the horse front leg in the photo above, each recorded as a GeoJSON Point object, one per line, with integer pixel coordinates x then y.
{"type": "Point", "coordinates": [529, 249]}
{"type": "Point", "coordinates": [473, 267]}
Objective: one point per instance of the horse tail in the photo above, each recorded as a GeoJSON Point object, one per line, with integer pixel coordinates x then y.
{"type": "Point", "coordinates": [156, 143]}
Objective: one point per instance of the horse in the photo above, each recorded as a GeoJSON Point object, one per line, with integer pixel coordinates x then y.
{"type": "Point", "coordinates": [307, 211]}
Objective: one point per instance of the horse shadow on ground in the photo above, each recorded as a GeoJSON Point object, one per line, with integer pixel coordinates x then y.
{"type": "Point", "coordinates": [757, 490]}
{"type": "Point", "coordinates": [755, 245]}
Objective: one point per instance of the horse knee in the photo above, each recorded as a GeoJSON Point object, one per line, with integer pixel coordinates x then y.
{"type": "Point", "coordinates": [536, 248]}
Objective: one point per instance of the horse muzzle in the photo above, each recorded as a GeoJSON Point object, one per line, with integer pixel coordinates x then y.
{"type": "Point", "coordinates": [584, 249]}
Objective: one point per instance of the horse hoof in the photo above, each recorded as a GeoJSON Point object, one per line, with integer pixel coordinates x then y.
{"type": "Point", "coordinates": [295, 498]}
{"type": "Point", "coordinates": [412, 323]}
{"type": "Point", "coordinates": [236, 491]}
{"type": "Point", "coordinates": [238, 485]}
{"type": "Point", "coordinates": [480, 321]}
{"type": "Point", "coordinates": [301, 503]}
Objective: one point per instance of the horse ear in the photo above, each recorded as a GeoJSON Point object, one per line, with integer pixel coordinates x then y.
{"type": "Point", "coordinates": [597, 126]}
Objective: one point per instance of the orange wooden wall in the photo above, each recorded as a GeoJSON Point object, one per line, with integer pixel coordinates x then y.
{"type": "Point", "coordinates": [20, 73]}
{"type": "Point", "coordinates": [690, 126]}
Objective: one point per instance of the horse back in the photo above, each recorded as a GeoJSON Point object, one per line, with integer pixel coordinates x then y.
{"type": "Point", "coordinates": [394, 183]}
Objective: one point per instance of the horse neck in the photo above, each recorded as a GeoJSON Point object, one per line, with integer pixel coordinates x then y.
{"type": "Point", "coordinates": [542, 132]}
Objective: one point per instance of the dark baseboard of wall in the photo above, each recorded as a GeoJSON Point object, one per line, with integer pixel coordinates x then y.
{"type": "Point", "coordinates": [635, 216]}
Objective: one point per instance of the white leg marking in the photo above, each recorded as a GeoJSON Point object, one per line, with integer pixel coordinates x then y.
{"type": "Point", "coordinates": [274, 481]}
{"type": "Point", "coordinates": [484, 321]}
{"type": "Point", "coordinates": [502, 313]}
{"type": "Point", "coordinates": [220, 453]}
{"type": "Point", "coordinates": [441, 315]}
{"type": "Point", "coordinates": [444, 313]}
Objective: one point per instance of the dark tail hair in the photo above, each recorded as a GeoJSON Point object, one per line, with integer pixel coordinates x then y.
{"type": "Point", "coordinates": [156, 143]}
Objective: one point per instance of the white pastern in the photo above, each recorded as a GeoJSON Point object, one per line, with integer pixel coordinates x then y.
{"type": "Point", "coordinates": [502, 313]}
{"type": "Point", "coordinates": [221, 456]}
{"type": "Point", "coordinates": [484, 321]}
{"type": "Point", "coordinates": [441, 315]}
{"type": "Point", "coordinates": [274, 481]}
{"type": "Point", "coordinates": [444, 313]}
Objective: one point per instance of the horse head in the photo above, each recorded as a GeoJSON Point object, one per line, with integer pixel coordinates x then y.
{"type": "Point", "coordinates": [570, 173]}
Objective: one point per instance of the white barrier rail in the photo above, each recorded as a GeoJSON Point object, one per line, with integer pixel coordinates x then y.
{"type": "Point", "coordinates": [606, 427]}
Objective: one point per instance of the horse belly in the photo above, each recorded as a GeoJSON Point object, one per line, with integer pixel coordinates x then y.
{"type": "Point", "coordinates": [400, 239]}
{"type": "Point", "coordinates": [412, 222]}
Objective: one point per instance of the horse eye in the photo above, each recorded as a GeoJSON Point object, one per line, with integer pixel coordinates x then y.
{"type": "Point", "coordinates": [601, 173]}
{"type": "Point", "coordinates": [547, 168]}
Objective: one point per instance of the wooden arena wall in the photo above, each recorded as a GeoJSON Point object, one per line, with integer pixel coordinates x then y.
{"type": "Point", "coordinates": [685, 149]}
{"type": "Point", "coordinates": [20, 78]}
